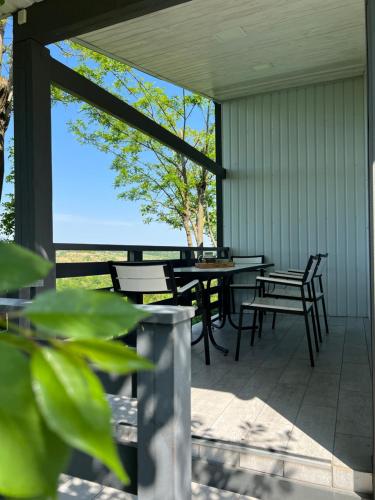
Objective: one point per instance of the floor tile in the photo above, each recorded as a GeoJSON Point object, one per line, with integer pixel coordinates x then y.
{"type": "Point", "coordinates": [356, 377]}
{"type": "Point", "coordinates": [353, 452]}
{"type": "Point", "coordinates": [273, 399]}
{"type": "Point", "coordinates": [313, 433]}
{"type": "Point", "coordinates": [354, 414]}
{"type": "Point", "coordinates": [323, 390]}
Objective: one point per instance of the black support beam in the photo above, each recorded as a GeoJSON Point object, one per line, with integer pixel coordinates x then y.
{"type": "Point", "coordinates": [219, 180]}
{"type": "Point", "coordinates": [370, 32]}
{"type": "Point", "coordinates": [84, 89]}
{"type": "Point", "coordinates": [33, 158]}
{"type": "Point", "coordinates": [54, 20]}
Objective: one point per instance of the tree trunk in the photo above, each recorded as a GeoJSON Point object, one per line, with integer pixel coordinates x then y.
{"type": "Point", "coordinates": [201, 216]}
{"type": "Point", "coordinates": [6, 97]}
{"type": "Point", "coordinates": [5, 108]}
{"type": "Point", "coordinates": [200, 223]}
{"type": "Point", "coordinates": [189, 239]}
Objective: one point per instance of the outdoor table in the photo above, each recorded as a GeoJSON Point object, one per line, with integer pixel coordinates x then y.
{"type": "Point", "coordinates": [10, 304]}
{"type": "Point", "coordinates": [225, 274]}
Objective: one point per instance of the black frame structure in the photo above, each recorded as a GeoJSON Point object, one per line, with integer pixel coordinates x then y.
{"type": "Point", "coordinates": [34, 73]}
{"type": "Point", "coordinates": [370, 74]}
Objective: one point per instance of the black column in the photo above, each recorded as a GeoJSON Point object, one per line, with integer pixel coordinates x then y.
{"type": "Point", "coordinates": [370, 27]}
{"type": "Point", "coordinates": [33, 157]}
{"type": "Point", "coordinates": [219, 180]}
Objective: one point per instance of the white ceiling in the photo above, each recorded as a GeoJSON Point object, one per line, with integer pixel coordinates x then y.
{"type": "Point", "coordinates": [11, 6]}
{"type": "Point", "coordinates": [231, 48]}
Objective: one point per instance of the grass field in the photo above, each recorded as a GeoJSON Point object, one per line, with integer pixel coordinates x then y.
{"type": "Point", "coordinates": [94, 282]}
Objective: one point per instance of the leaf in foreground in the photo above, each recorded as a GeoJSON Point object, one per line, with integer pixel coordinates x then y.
{"type": "Point", "coordinates": [83, 314]}
{"type": "Point", "coordinates": [20, 267]}
{"type": "Point", "coordinates": [31, 456]}
{"type": "Point", "coordinates": [110, 356]}
{"type": "Point", "coordinates": [73, 403]}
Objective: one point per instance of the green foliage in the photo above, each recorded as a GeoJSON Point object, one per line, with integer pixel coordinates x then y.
{"type": "Point", "coordinates": [50, 399]}
{"type": "Point", "coordinates": [72, 400]}
{"type": "Point", "coordinates": [79, 314]}
{"type": "Point", "coordinates": [31, 456]}
{"type": "Point", "coordinates": [20, 267]}
{"type": "Point", "coordinates": [170, 188]}
{"type": "Point", "coordinates": [8, 214]}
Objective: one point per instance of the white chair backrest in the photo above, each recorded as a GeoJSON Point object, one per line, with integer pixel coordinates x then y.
{"type": "Point", "coordinates": [323, 262]}
{"type": "Point", "coordinates": [256, 259]}
{"type": "Point", "coordinates": [148, 278]}
{"type": "Point", "coordinates": [311, 268]}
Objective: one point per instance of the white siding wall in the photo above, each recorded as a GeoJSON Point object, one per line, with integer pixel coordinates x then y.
{"type": "Point", "coordinates": [296, 183]}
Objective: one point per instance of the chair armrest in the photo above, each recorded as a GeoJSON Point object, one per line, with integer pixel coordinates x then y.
{"type": "Point", "coordinates": [243, 285]}
{"type": "Point", "coordinates": [279, 281]}
{"type": "Point", "coordinates": [188, 286]}
{"type": "Point", "coordinates": [296, 272]}
{"type": "Point", "coordinates": [285, 275]}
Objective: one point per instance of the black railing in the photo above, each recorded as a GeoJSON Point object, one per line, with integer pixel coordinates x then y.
{"type": "Point", "coordinates": [134, 253]}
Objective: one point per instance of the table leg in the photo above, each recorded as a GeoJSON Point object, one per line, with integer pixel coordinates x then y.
{"type": "Point", "coordinates": [206, 333]}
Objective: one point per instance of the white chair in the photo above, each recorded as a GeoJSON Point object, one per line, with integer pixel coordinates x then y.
{"type": "Point", "coordinates": [318, 295]}
{"type": "Point", "coordinates": [250, 285]}
{"type": "Point", "coordinates": [302, 307]}
{"type": "Point", "coordinates": [132, 278]}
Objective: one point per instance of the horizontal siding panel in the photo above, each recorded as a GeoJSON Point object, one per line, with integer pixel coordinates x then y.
{"type": "Point", "coordinates": [297, 184]}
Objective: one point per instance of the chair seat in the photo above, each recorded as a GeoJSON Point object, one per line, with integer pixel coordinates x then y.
{"type": "Point", "coordinates": [264, 303]}
{"type": "Point", "coordinates": [291, 292]}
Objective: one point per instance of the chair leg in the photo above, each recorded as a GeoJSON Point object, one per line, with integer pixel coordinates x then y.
{"type": "Point", "coordinates": [254, 327]}
{"type": "Point", "coordinates": [273, 321]}
{"type": "Point", "coordinates": [239, 333]}
{"type": "Point", "coordinates": [233, 301]}
{"type": "Point", "coordinates": [325, 314]}
{"type": "Point", "coordinates": [260, 324]}
{"type": "Point", "coordinates": [314, 330]}
{"type": "Point", "coordinates": [206, 341]}
{"type": "Point", "coordinates": [309, 340]}
{"type": "Point", "coordinates": [316, 311]}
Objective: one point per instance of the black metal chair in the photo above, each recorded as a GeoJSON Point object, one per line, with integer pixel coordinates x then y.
{"type": "Point", "coordinates": [244, 259]}
{"type": "Point", "coordinates": [318, 295]}
{"type": "Point", "coordinates": [301, 307]}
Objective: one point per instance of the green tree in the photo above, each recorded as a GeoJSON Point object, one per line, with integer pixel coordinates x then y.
{"type": "Point", "coordinates": [6, 95]}
{"type": "Point", "coordinates": [171, 188]}
{"type": "Point", "coordinates": [7, 216]}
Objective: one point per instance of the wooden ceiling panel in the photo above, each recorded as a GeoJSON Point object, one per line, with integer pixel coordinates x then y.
{"type": "Point", "coordinates": [230, 48]}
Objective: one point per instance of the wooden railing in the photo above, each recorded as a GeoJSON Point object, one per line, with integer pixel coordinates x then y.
{"type": "Point", "coordinates": [134, 253]}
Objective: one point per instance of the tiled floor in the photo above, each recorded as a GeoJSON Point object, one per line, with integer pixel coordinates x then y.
{"type": "Point", "coordinates": [75, 488]}
{"type": "Point", "coordinates": [271, 399]}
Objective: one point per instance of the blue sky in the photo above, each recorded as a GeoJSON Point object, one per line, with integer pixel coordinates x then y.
{"type": "Point", "coordinates": [85, 204]}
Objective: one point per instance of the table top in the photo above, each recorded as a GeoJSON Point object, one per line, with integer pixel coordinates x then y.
{"type": "Point", "coordinates": [8, 304]}
{"type": "Point", "coordinates": [219, 271]}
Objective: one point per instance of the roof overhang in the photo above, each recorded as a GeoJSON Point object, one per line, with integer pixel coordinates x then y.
{"type": "Point", "coordinates": [230, 49]}
{"type": "Point", "coordinates": [11, 6]}
{"type": "Point", "coordinates": [217, 48]}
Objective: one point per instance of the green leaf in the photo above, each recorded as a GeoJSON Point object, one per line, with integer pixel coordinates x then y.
{"type": "Point", "coordinates": [20, 267]}
{"type": "Point", "coordinates": [73, 403]}
{"type": "Point", "coordinates": [83, 314]}
{"type": "Point", "coordinates": [31, 456]}
{"type": "Point", "coordinates": [110, 356]}
{"type": "Point", "coordinates": [21, 343]}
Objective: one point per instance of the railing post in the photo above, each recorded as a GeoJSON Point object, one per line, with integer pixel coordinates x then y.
{"type": "Point", "coordinates": [164, 409]}
{"type": "Point", "coordinates": [135, 256]}
{"type": "Point", "coordinates": [187, 255]}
